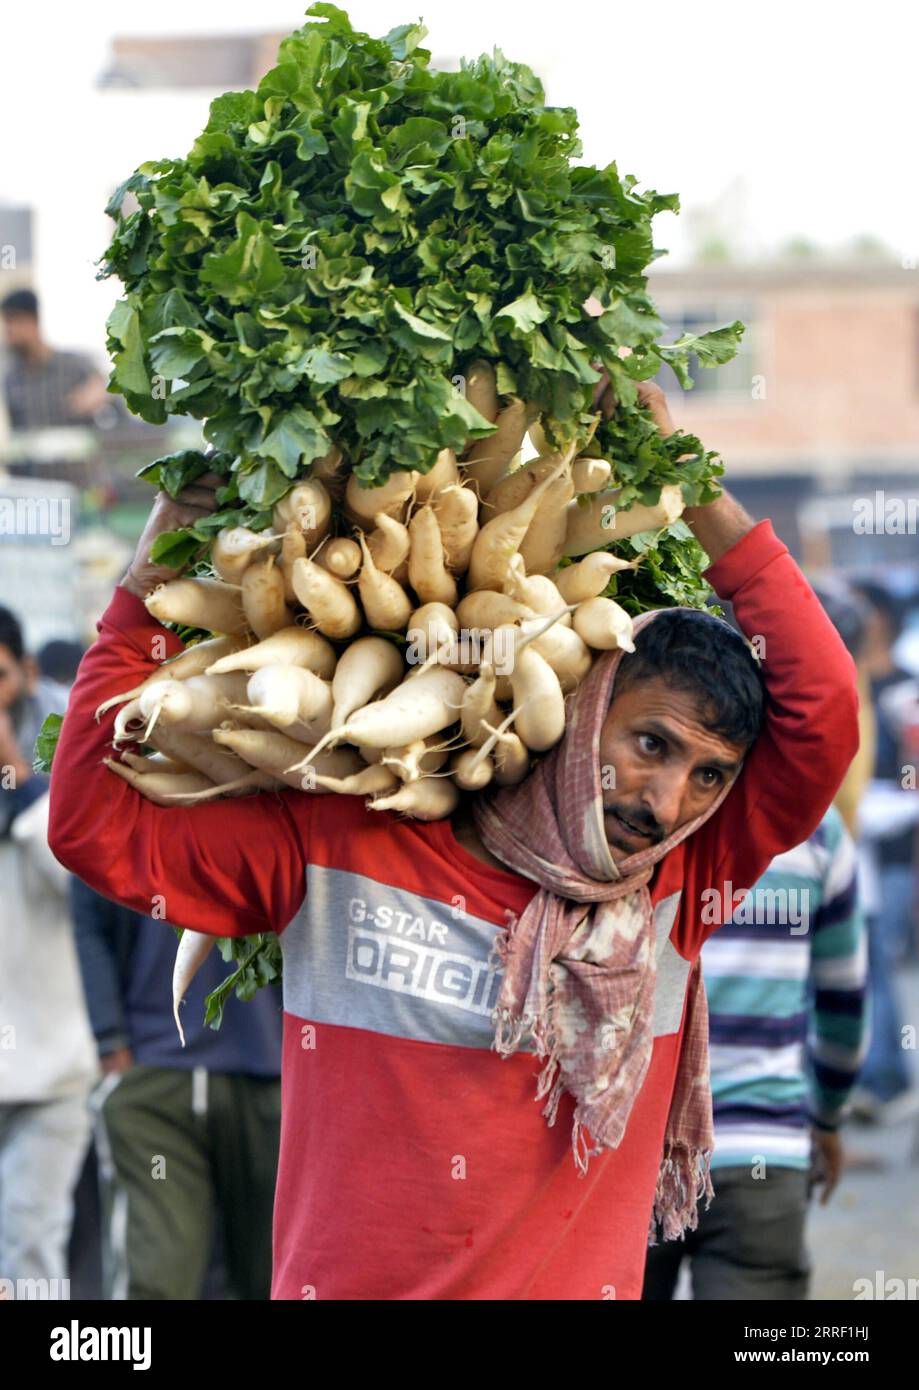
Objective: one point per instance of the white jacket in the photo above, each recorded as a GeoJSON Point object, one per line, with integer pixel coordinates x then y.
{"type": "Point", "coordinates": [47, 1049]}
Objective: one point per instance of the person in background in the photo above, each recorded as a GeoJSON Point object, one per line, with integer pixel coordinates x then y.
{"type": "Point", "coordinates": [786, 985]}
{"type": "Point", "coordinates": [888, 815]}
{"type": "Point", "coordinates": [43, 386]}
{"type": "Point", "coordinates": [180, 1132]}
{"type": "Point", "coordinates": [47, 1059]}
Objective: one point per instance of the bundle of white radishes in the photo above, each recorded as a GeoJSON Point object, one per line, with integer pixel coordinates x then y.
{"type": "Point", "coordinates": [405, 642]}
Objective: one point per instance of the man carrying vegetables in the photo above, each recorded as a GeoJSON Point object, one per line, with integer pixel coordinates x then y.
{"type": "Point", "coordinates": [433, 970]}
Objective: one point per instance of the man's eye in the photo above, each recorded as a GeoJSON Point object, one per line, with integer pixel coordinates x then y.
{"type": "Point", "coordinates": [712, 776]}
{"type": "Point", "coordinates": [648, 738]}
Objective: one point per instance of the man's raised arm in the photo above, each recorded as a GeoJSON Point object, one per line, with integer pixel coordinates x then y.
{"type": "Point", "coordinates": [228, 868]}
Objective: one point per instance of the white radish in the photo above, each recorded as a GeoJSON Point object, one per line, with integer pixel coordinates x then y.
{"type": "Point", "coordinates": [444, 474]}
{"type": "Point", "coordinates": [389, 544]}
{"type": "Point", "coordinates": [457, 512]}
{"type": "Point", "coordinates": [566, 652]}
{"type": "Point", "coordinates": [193, 661]}
{"type": "Point", "coordinates": [590, 576]}
{"type": "Point", "coordinates": [469, 777]}
{"type": "Point", "coordinates": [604, 625]}
{"type": "Point", "coordinates": [369, 781]}
{"type": "Point", "coordinates": [155, 762]}
{"type": "Point", "coordinates": [486, 609]}
{"type": "Point", "coordinates": [199, 752]}
{"type": "Point", "coordinates": [234, 547]}
{"type": "Point", "coordinates": [276, 752]}
{"type": "Point", "coordinates": [309, 507]}
{"type": "Point", "coordinates": [590, 475]}
{"type": "Point", "coordinates": [481, 389]}
{"type": "Point", "coordinates": [386, 604]}
{"type": "Point", "coordinates": [414, 760]}
{"type": "Point", "coordinates": [538, 699]}
{"type": "Point", "coordinates": [479, 705]}
{"type": "Point", "coordinates": [263, 598]}
{"type": "Point", "coordinates": [488, 458]}
{"type": "Point", "coordinates": [340, 556]}
{"type": "Point", "coordinates": [129, 714]}
{"type": "Point", "coordinates": [366, 667]}
{"type": "Point", "coordinates": [427, 572]}
{"type": "Point", "coordinates": [194, 704]}
{"type": "Point", "coordinates": [293, 699]}
{"type": "Point", "coordinates": [293, 547]}
{"type": "Point", "coordinates": [194, 949]}
{"type": "Point", "coordinates": [423, 704]}
{"type": "Point", "coordinates": [516, 485]}
{"type": "Point", "coordinates": [544, 543]}
{"type": "Point", "coordinates": [159, 787]}
{"type": "Point", "coordinates": [363, 503]}
{"type": "Point", "coordinates": [430, 798]}
{"type": "Point", "coordinates": [599, 523]}
{"type": "Point", "coordinates": [500, 538]}
{"type": "Point", "coordinates": [537, 592]}
{"type": "Point", "coordinates": [328, 601]}
{"type": "Point", "coordinates": [207, 603]}
{"type": "Point", "coordinates": [511, 759]}
{"type": "Point", "coordinates": [292, 646]}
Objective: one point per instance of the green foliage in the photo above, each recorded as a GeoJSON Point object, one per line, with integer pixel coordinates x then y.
{"type": "Point", "coordinates": [46, 742]}
{"type": "Point", "coordinates": [338, 244]}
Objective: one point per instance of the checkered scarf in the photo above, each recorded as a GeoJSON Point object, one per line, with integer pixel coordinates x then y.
{"type": "Point", "coordinates": [581, 982]}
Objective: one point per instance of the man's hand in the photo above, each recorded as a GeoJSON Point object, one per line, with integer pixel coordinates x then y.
{"type": "Point", "coordinates": [169, 514]}
{"type": "Point", "coordinates": [718, 525]}
{"type": "Point", "coordinates": [122, 1059]}
{"type": "Point", "coordinates": [826, 1162]}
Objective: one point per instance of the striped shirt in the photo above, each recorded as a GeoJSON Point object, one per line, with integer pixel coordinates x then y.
{"type": "Point", "coordinates": [786, 983]}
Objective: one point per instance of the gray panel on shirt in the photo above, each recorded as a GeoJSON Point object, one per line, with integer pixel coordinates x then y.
{"type": "Point", "coordinates": [364, 954]}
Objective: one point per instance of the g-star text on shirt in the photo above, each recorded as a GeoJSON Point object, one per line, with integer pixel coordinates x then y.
{"type": "Point", "coordinates": [443, 976]}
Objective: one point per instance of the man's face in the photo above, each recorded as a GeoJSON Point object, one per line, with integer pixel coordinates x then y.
{"type": "Point", "coordinates": [660, 765]}
{"type": "Point", "coordinates": [15, 677]}
{"type": "Point", "coordinates": [20, 332]}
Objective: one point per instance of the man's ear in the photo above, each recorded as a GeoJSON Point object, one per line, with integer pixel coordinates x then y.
{"type": "Point", "coordinates": [31, 673]}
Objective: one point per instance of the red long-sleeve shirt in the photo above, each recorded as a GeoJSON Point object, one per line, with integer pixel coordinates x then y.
{"type": "Point", "coordinates": [414, 1161]}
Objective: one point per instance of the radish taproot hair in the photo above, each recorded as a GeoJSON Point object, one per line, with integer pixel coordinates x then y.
{"type": "Point", "coordinates": [194, 949]}
{"type": "Point", "coordinates": [207, 603]}
{"type": "Point", "coordinates": [414, 760]}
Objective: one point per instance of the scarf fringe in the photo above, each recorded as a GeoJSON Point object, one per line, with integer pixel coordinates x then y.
{"type": "Point", "coordinates": [684, 1179]}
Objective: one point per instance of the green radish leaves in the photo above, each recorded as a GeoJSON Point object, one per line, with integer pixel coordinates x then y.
{"type": "Point", "coordinates": [46, 742]}
{"type": "Point", "coordinates": [338, 244]}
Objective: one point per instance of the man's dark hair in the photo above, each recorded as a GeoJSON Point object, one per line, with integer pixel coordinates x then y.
{"type": "Point", "coordinates": [884, 602]}
{"type": "Point", "coordinates": [11, 633]}
{"type": "Point", "coordinates": [20, 302]}
{"type": "Point", "coordinates": [700, 654]}
{"type": "Point", "coordinates": [846, 609]}
{"type": "Point", "coordinates": [59, 659]}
